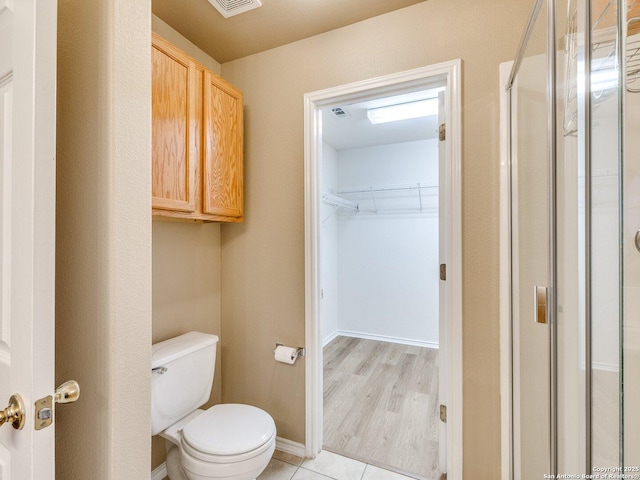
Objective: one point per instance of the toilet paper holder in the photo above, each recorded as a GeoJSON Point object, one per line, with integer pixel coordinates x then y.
{"type": "Point", "coordinates": [300, 351]}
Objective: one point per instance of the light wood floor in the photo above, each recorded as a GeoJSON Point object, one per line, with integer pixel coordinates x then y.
{"type": "Point", "coordinates": [380, 404]}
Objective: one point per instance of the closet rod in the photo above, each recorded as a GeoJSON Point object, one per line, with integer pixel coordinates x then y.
{"type": "Point", "coordinates": [388, 189]}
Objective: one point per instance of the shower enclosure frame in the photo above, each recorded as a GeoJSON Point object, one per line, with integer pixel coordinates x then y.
{"type": "Point", "coordinates": [506, 284]}
{"type": "Point", "coordinates": [508, 74]}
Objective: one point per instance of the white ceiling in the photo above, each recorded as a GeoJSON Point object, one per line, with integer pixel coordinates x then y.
{"type": "Point", "coordinates": [275, 23]}
{"type": "Point", "coordinates": [356, 131]}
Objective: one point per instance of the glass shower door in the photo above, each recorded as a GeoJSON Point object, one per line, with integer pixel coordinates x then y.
{"type": "Point", "coordinates": [630, 185]}
{"type": "Point", "coordinates": [605, 262]}
{"type": "Point", "coordinates": [571, 237]}
{"type": "Point", "coordinates": [575, 234]}
{"type": "Point", "coordinates": [531, 275]}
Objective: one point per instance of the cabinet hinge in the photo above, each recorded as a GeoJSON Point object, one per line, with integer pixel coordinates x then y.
{"type": "Point", "coordinates": [442, 132]}
{"type": "Point", "coordinates": [443, 413]}
{"type": "Point", "coordinates": [443, 271]}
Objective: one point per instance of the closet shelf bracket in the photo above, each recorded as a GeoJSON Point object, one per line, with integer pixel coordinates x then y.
{"type": "Point", "coordinates": [339, 202]}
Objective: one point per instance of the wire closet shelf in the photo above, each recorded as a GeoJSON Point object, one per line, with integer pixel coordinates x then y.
{"type": "Point", "coordinates": [403, 198]}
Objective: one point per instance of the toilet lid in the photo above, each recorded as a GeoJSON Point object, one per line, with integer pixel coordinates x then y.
{"type": "Point", "coordinates": [229, 429]}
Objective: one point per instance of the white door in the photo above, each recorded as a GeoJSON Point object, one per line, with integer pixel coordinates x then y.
{"type": "Point", "coordinates": [27, 229]}
{"type": "Point", "coordinates": [442, 214]}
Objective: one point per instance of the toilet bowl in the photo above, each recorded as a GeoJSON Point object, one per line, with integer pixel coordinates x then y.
{"type": "Point", "coordinates": [227, 441]}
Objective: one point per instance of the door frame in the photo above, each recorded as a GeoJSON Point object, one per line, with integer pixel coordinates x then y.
{"type": "Point", "coordinates": [448, 73]}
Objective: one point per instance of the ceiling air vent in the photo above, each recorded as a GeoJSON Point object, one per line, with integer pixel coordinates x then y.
{"type": "Point", "coordinates": [339, 112]}
{"type": "Point", "coordinates": [229, 8]}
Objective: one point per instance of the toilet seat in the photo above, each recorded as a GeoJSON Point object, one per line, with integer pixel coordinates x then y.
{"type": "Point", "coordinates": [228, 433]}
{"type": "Point", "coordinates": [228, 441]}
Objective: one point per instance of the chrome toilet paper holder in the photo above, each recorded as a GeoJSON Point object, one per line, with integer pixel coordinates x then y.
{"type": "Point", "coordinates": [300, 351]}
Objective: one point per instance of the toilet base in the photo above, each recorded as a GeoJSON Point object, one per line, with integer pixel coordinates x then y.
{"type": "Point", "coordinates": [249, 469]}
{"type": "Point", "coordinates": [252, 470]}
{"type": "Point", "coordinates": [174, 467]}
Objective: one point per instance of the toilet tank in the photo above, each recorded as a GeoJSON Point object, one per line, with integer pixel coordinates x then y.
{"type": "Point", "coordinates": [181, 377]}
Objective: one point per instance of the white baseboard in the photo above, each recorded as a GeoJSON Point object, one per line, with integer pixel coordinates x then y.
{"type": "Point", "coordinates": [159, 473]}
{"type": "Point", "coordinates": [282, 444]}
{"type": "Point", "coordinates": [330, 338]}
{"type": "Point", "coordinates": [290, 447]}
{"type": "Point", "coordinates": [381, 338]}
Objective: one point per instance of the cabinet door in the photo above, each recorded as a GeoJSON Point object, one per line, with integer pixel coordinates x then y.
{"type": "Point", "coordinates": [174, 128]}
{"type": "Point", "coordinates": [223, 137]}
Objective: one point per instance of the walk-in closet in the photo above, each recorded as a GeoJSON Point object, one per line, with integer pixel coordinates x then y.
{"type": "Point", "coordinates": [380, 285]}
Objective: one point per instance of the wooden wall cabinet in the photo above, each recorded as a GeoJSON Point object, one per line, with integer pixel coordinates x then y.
{"type": "Point", "coordinates": [197, 129]}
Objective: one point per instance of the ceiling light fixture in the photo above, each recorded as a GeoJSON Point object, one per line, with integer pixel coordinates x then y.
{"type": "Point", "coordinates": [403, 111]}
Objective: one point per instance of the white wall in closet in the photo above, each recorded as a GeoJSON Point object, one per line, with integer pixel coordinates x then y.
{"type": "Point", "coordinates": [386, 262]}
{"type": "Point", "coordinates": [329, 246]}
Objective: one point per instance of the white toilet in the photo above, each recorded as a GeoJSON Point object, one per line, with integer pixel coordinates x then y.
{"type": "Point", "coordinates": [229, 441]}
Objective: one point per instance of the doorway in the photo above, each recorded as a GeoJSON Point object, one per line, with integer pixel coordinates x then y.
{"type": "Point", "coordinates": [375, 193]}
{"type": "Point", "coordinates": [379, 261]}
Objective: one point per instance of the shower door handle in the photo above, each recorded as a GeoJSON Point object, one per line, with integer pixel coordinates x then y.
{"type": "Point", "coordinates": [540, 304]}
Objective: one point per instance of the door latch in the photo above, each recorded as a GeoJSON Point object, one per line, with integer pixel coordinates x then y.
{"type": "Point", "coordinates": [68, 392]}
{"type": "Point", "coordinates": [44, 412]}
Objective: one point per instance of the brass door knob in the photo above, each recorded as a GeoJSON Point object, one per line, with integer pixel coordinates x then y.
{"type": "Point", "coordinates": [14, 413]}
{"type": "Point", "coordinates": [68, 392]}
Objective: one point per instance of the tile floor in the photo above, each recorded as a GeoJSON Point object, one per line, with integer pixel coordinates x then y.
{"type": "Point", "coordinates": [326, 466]}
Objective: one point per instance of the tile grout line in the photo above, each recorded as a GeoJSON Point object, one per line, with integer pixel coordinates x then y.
{"type": "Point", "coordinates": [295, 471]}
{"type": "Point", "coordinates": [327, 475]}
{"type": "Point", "coordinates": [300, 466]}
{"type": "Point", "coordinates": [317, 473]}
{"type": "Point", "coordinates": [324, 475]}
{"type": "Point", "coordinates": [366, 465]}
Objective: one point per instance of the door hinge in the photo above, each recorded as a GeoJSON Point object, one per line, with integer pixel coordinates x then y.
{"type": "Point", "coordinates": [442, 132]}
{"type": "Point", "coordinates": [443, 413]}
{"type": "Point", "coordinates": [443, 271]}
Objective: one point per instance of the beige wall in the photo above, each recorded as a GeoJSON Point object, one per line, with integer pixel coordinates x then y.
{"type": "Point", "coordinates": [186, 291]}
{"type": "Point", "coordinates": [263, 258]}
{"type": "Point", "coordinates": [186, 265]}
{"type": "Point", "coordinates": [103, 239]}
